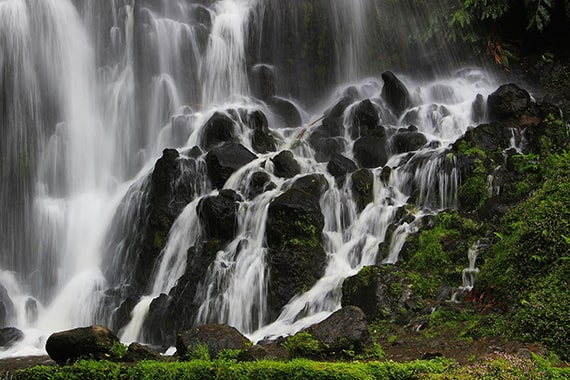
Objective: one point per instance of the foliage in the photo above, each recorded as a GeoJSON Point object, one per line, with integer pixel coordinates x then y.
{"type": "Point", "coordinates": [118, 350]}
{"type": "Point", "coordinates": [219, 369]}
{"type": "Point", "coordinates": [198, 352]}
{"type": "Point", "coordinates": [441, 252]}
{"type": "Point", "coordinates": [530, 262]}
{"type": "Point", "coordinates": [303, 345]}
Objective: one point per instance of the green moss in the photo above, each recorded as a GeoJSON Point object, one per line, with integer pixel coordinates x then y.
{"type": "Point", "coordinates": [473, 193]}
{"type": "Point", "coordinates": [303, 345]}
{"type": "Point", "coordinates": [158, 239]}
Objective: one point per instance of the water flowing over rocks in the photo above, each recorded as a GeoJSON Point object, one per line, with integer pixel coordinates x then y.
{"type": "Point", "coordinates": [173, 164]}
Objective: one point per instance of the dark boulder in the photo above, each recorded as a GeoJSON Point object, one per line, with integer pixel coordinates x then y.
{"type": "Point", "coordinates": [259, 182]}
{"type": "Point", "coordinates": [262, 80]}
{"type": "Point", "coordinates": [122, 315]}
{"type": "Point", "coordinates": [220, 128]}
{"type": "Point", "coordinates": [382, 292]}
{"type": "Point", "coordinates": [285, 165]}
{"type": "Point", "coordinates": [340, 166]}
{"type": "Point", "coordinates": [218, 215]}
{"type": "Point", "coordinates": [365, 120]}
{"type": "Point", "coordinates": [407, 142]}
{"type": "Point", "coordinates": [370, 151]}
{"type": "Point", "coordinates": [10, 336]}
{"type": "Point", "coordinates": [395, 93]}
{"type": "Point", "coordinates": [217, 337]}
{"type": "Point", "coordinates": [362, 188]}
{"type": "Point", "coordinates": [85, 342]}
{"type": "Point", "coordinates": [314, 184]}
{"type": "Point", "coordinates": [285, 111]}
{"type": "Point", "coordinates": [508, 101]}
{"type": "Point", "coordinates": [337, 110]}
{"type": "Point", "coordinates": [345, 329]}
{"type": "Point", "coordinates": [224, 160]}
{"type": "Point", "coordinates": [326, 147]}
{"type": "Point", "coordinates": [296, 257]}
{"type": "Point", "coordinates": [262, 140]}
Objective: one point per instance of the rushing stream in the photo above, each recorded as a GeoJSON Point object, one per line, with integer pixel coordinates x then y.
{"type": "Point", "coordinates": [92, 91]}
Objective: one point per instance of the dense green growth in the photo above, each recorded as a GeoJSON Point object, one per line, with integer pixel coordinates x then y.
{"type": "Point", "coordinates": [497, 366]}
{"type": "Point", "coordinates": [439, 254]}
{"type": "Point", "coordinates": [530, 262]}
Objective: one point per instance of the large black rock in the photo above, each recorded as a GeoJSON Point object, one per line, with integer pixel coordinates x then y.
{"type": "Point", "coordinates": [285, 165]}
{"type": "Point", "coordinates": [219, 129]}
{"type": "Point", "coordinates": [340, 166]}
{"type": "Point", "coordinates": [9, 336]}
{"type": "Point", "coordinates": [407, 142]}
{"type": "Point", "coordinates": [224, 160]}
{"type": "Point", "coordinates": [345, 329]}
{"type": "Point", "coordinates": [365, 120]}
{"type": "Point", "coordinates": [296, 258]}
{"type": "Point", "coordinates": [509, 100]}
{"type": "Point", "coordinates": [395, 93]}
{"type": "Point", "coordinates": [218, 215]}
{"type": "Point", "coordinates": [362, 188]}
{"type": "Point", "coordinates": [370, 151]}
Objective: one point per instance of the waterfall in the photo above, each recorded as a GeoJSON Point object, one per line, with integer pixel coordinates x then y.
{"type": "Point", "coordinates": [92, 93]}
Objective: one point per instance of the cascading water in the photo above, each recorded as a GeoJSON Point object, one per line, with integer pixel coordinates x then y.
{"type": "Point", "coordinates": [91, 92]}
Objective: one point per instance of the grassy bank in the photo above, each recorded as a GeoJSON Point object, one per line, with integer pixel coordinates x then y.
{"type": "Point", "coordinates": [497, 366]}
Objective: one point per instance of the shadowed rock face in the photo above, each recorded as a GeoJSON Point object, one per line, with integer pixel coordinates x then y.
{"type": "Point", "coordinates": [296, 257]}
{"type": "Point", "coordinates": [509, 100]}
{"type": "Point", "coordinates": [223, 161]}
{"type": "Point", "coordinates": [395, 93]}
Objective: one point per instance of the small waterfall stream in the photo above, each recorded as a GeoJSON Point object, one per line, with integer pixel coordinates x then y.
{"type": "Point", "coordinates": [92, 92]}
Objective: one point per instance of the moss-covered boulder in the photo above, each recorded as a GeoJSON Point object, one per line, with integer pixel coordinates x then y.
{"type": "Point", "coordinates": [382, 292]}
{"type": "Point", "coordinates": [97, 342]}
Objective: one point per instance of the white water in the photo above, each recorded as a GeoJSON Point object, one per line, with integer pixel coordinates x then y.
{"type": "Point", "coordinates": [72, 108]}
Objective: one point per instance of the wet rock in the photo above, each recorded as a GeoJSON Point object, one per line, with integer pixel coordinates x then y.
{"type": "Point", "coordinates": [31, 310]}
{"type": "Point", "coordinates": [262, 80]}
{"type": "Point", "coordinates": [217, 337]}
{"type": "Point", "coordinates": [326, 147]}
{"type": "Point", "coordinates": [285, 111]}
{"type": "Point", "coordinates": [296, 257]}
{"type": "Point", "coordinates": [122, 316]}
{"type": "Point", "coordinates": [381, 292]}
{"type": "Point", "coordinates": [340, 166]}
{"type": "Point", "coordinates": [314, 184]}
{"type": "Point", "coordinates": [337, 110]}
{"type": "Point", "coordinates": [85, 342]}
{"type": "Point", "coordinates": [259, 182]}
{"type": "Point", "coordinates": [370, 151]}
{"type": "Point", "coordinates": [509, 100]}
{"type": "Point", "coordinates": [285, 165]}
{"type": "Point", "coordinates": [395, 93]}
{"type": "Point", "coordinates": [365, 120]}
{"type": "Point", "coordinates": [262, 140]}
{"type": "Point", "coordinates": [407, 142]}
{"type": "Point", "coordinates": [218, 215]}
{"type": "Point", "coordinates": [219, 129]}
{"type": "Point", "coordinates": [362, 188]}
{"type": "Point", "coordinates": [137, 352]}
{"type": "Point", "coordinates": [478, 109]}
{"type": "Point", "coordinates": [345, 329]}
{"type": "Point", "coordinates": [10, 336]}
{"type": "Point", "coordinates": [223, 161]}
